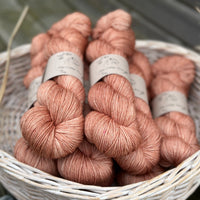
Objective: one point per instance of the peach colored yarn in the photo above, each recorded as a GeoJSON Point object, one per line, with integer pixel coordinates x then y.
{"type": "Point", "coordinates": [87, 166]}
{"type": "Point", "coordinates": [55, 127]}
{"type": "Point", "coordinates": [147, 155]}
{"type": "Point", "coordinates": [174, 73]}
{"type": "Point", "coordinates": [112, 124]}
{"type": "Point", "coordinates": [38, 60]}
{"type": "Point", "coordinates": [76, 20]}
{"type": "Point", "coordinates": [92, 166]}
{"type": "Point", "coordinates": [25, 154]}
{"type": "Point", "coordinates": [124, 178]}
{"type": "Point", "coordinates": [38, 64]}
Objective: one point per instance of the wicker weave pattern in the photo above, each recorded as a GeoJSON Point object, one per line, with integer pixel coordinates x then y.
{"type": "Point", "coordinates": [25, 182]}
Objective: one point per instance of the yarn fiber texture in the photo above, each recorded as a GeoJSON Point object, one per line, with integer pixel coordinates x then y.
{"type": "Point", "coordinates": [87, 165]}
{"type": "Point", "coordinates": [25, 154]}
{"type": "Point", "coordinates": [54, 128]}
{"type": "Point", "coordinates": [147, 155]}
{"type": "Point", "coordinates": [174, 73]}
{"type": "Point", "coordinates": [112, 125]}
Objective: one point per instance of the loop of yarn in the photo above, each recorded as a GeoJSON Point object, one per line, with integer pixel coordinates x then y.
{"type": "Point", "coordinates": [174, 73]}
{"type": "Point", "coordinates": [118, 19]}
{"type": "Point", "coordinates": [147, 155]}
{"type": "Point", "coordinates": [91, 166]}
{"type": "Point", "coordinates": [76, 20]}
{"type": "Point", "coordinates": [54, 128]}
{"type": "Point", "coordinates": [112, 126]}
{"type": "Point", "coordinates": [25, 154]}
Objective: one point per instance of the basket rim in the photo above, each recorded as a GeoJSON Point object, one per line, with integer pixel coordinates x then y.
{"type": "Point", "coordinates": [7, 161]}
{"type": "Point", "coordinates": [11, 165]}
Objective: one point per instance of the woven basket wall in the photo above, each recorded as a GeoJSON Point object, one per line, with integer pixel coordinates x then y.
{"type": "Point", "coordinates": [25, 182]}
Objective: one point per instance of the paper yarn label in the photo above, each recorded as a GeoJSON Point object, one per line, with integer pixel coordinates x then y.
{"type": "Point", "coordinates": [32, 91]}
{"type": "Point", "coordinates": [106, 65]}
{"type": "Point", "coordinates": [169, 102]}
{"type": "Point", "coordinates": [139, 87]}
{"type": "Point", "coordinates": [64, 63]}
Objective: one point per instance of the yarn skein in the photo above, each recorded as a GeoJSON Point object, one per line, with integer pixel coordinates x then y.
{"type": "Point", "coordinates": [112, 124]}
{"type": "Point", "coordinates": [91, 166]}
{"type": "Point", "coordinates": [146, 156]}
{"type": "Point", "coordinates": [25, 154]}
{"type": "Point", "coordinates": [55, 127]}
{"type": "Point", "coordinates": [174, 73]}
{"type": "Point", "coordinates": [87, 165]}
{"type": "Point", "coordinates": [38, 57]}
{"type": "Point", "coordinates": [38, 64]}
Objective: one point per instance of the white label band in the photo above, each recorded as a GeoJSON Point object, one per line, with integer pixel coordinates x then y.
{"type": "Point", "coordinates": [139, 87]}
{"type": "Point", "coordinates": [64, 63]}
{"type": "Point", "coordinates": [106, 65]}
{"type": "Point", "coordinates": [169, 102]}
{"type": "Point", "coordinates": [32, 91]}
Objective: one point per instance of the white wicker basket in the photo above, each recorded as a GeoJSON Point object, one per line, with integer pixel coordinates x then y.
{"type": "Point", "coordinates": [25, 182]}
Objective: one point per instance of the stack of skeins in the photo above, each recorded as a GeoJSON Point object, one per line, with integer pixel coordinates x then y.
{"type": "Point", "coordinates": [67, 93]}
{"type": "Point", "coordinates": [174, 73]}
{"type": "Point", "coordinates": [121, 125]}
{"type": "Point", "coordinates": [54, 129]}
{"type": "Point", "coordinates": [23, 151]}
{"type": "Point", "coordinates": [117, 125]}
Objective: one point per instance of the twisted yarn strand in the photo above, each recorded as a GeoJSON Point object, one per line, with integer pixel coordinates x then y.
{"type": "Point", "coordinates": [174, 73]}
{"type": "Point", "coordinates": [112, 124]}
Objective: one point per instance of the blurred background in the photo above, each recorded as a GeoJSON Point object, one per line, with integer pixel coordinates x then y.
{"type": "Point", "coordinates": [175, 21]}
